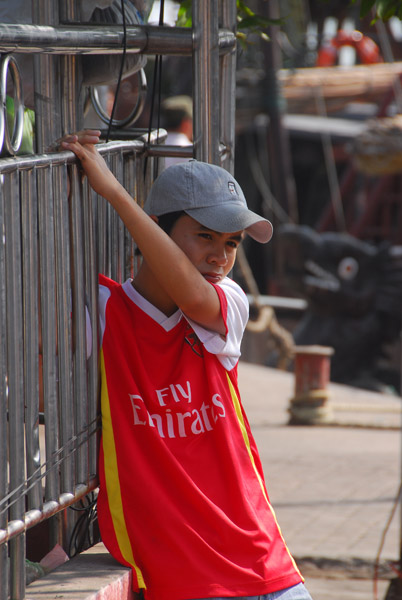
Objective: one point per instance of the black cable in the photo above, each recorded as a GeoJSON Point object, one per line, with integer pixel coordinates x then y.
{"type": "Point", "coordinates": [157, 77]}
{"type": "Point", "coordinates": [151, 112]}
{"type": "Point", "coordinates": [123, 60]}
{"type": "Point", "coordinates": [158, 123]}
{"type": "Point", "coordinates": [82, 536]}
{"type": "Point", "coordinates": [66, 451]}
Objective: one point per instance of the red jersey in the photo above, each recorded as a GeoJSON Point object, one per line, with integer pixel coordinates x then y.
{"type": "Point", "coordinates": [182, 496]}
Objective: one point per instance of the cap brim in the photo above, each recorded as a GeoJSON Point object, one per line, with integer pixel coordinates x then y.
{"type": "Point", "coordinates": [261, 231]}
{"type": "Point", "coordinates": [227, 218]}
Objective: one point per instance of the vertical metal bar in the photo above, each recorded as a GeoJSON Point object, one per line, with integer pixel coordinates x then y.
{"type": "Point", "coordinates": [69, 10]}
{"type": "Point", "coordinates": [48, 121]}
{"type": "Point", "coordinates": [29, 216]}
{"type": "Point", "coordinates": [72, 119]}
{"type": "Point", "coordinates": [283, 185]}
{"type": "Point", "coordinates": [117, 226]}
{"type": "Point", "coordinates": [149, 178]}
{"type": "Point", "coordinates": [139, 193]}
{"type": "Point", "coordinates": [48, 329]}
{"type": "Point", "coordinates": [4, 587]}
{"type": "Point", "coordinates": [115, 272]}
{"type": "Point", "coordinates": [140, 189]}
{"type": "Point", "coordinates": [64, 345]}
{"type": "Point", "coordinates": [129, 165]}
{"type": "Point", "coordinates": [99, 215]}
{"type": "Point", "coordinates": [105, 238]}
{"type": "Point", "coordinates": [64, 348]}
{"type": "Point", "coordinates": [110, 270]}
{"type": "Point", "coordinates": [48, 128]}
{"type": "Point", "coordinates": [128, 256]}
{"type": "Point", "coordinates": [79, 327]}
{"type": "Point", "coordinates": [206, 81]}
{"type": "Point", "coordinates": [228, 89]}
{"type": "Point", "coordinates": [91, 285]}
{"type": "Point", "coordinates": [15, 378]}
{"type": "Point", "coordinates": [71, 79]}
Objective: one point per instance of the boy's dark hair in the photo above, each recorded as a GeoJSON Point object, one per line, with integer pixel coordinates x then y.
{"type": "Point", "coordinates": [167, 221]}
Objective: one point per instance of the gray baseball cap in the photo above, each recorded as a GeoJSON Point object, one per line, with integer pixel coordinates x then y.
{"type": "Point", "coordinates": [208, 194]}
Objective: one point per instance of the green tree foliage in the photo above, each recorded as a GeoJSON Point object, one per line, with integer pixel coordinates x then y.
{"type": "Point", "coordinates": [248, 21]}
{"type": "Point", "coordinates": [381, 9]}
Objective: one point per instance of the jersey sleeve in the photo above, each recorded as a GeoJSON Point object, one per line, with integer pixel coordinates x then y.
{"type": "Point", "coordinates": [104, 295]}
{"type": "Point", "coordinates": [235, 311]}
{"type": "Point", "coordinates": [105, 286]}
{"type": "Point", "coordinates": [104, 291]}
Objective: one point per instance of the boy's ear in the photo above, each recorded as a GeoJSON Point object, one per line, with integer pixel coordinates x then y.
{"type": "Point", "coordinates": [154, 218]}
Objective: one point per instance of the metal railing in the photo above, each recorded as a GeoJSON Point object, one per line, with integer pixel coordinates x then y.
{"type": "Point", "coordinates": [56, 235]}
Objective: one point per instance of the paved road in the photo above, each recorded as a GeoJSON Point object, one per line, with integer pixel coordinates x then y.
{"type": "Point", "coordinates": [333, 487]}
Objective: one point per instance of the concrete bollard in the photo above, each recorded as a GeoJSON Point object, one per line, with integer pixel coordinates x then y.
{"type": "Point", "coordinates": [310, 405]}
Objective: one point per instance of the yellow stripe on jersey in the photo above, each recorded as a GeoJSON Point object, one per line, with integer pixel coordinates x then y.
{"type": "Point", "coordinates": [246, 439]}
{"type": "Point", "coordinates": [113, 482]}
{"type": "Point", "coordinates": [243, 429]}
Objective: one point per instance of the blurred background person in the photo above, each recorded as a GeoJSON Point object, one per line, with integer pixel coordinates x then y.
{"type": "Point", "coordinates": [177, 119]}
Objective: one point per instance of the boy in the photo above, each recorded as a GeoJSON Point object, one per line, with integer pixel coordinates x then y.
{"type": "Point", "coordinates": [182, 499]}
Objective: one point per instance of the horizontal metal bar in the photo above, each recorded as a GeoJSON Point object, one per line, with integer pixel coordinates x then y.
{"type": "Point", "coordinates": [100, 39]}
{"type": "Point", "coordinates": [280, 303]}
{"type": "Point", "coordinates": [165, 150]}
{"type": "Point", "coordinates": [8, 165]}
{"type": "Point", "coordinates": [33, 517]}
{"type": "Point", "coordinates": [97, 39]}
{"type": "Point", "coordinates": [174, 151]}
{"type": "Point", "coordinates": [137, 133]}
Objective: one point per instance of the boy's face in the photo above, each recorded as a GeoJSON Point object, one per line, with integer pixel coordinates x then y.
{"type": "Point", "coordinates": [212, 253]}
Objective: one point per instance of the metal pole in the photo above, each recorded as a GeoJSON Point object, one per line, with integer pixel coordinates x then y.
{"type": "Point", "coordinates": [49, 342]}
{"type": "Point", "coordinates": [4, 570]}
{"type": "Point", "coordinates": [228, 88]}
{"type": "Point", "coordinates": [97, 39]}
{"type": "Point", "coordinates": [91, 285]}
{"type": "Point", "coordinates": [282, 176]}
{"type": "Point", "coordinates": [64, 335]}
{"type": "Point", "coordinates": [29, 216]}
{"type": "Point", "coordinates": [47, 90]}
{"type": "Point", "coordinates": [206, 81]}
{"type": "Point", "coordinates": [79, 325]}
{"type": "Point", "coordinates": [117, 229]}
{"type": "Point", "coordinates": [71, 80]}
{"type": "Point", "coordinates": [15, 379]}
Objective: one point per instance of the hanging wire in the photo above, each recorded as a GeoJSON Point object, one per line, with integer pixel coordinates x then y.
{"type": "Point", "coordinates": [62, 454]}
{"type": "Point", "coordinates": [270, 204]}
{"type": "Point", "coordinates": [82, 536]}
{"type": "Point", "coordinates": [330, 164]}
{"type": "Point", "coordinates": [157, 78]}
{"type": "Point", "coordinates": [123, 60]}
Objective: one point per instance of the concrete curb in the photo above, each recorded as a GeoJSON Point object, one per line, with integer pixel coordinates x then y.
{"type": "Point", "coordinates": [92, 575]}
{"type": "Point", "coordinates": [95, 575]}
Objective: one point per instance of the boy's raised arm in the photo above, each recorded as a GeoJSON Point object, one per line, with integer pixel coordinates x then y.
{"type": "Point", "coordinates": [170, 266]}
